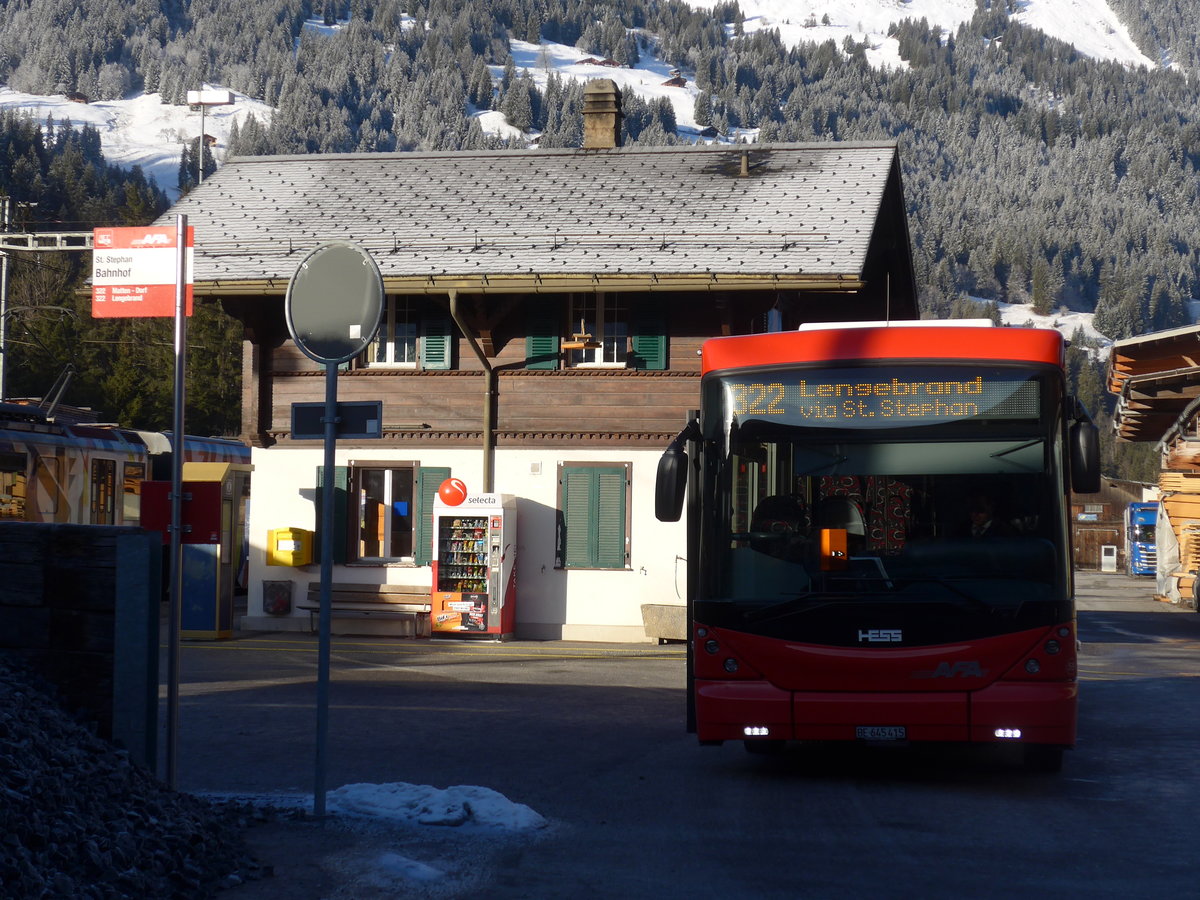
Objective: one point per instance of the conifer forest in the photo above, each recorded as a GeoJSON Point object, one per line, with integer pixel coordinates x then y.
{"type": "Point", "coordinates": [1032, 174]}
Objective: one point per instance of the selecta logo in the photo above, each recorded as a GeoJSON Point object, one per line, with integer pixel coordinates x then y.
{"type": "Point", "coordinates": [452, 491]}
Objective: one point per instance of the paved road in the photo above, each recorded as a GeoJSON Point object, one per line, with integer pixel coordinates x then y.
{"type": "Point", "coordinates": [591, 737]}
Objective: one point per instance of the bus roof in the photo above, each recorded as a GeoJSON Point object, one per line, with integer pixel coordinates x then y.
{"type": "Point", "coordinates": [900, 342]}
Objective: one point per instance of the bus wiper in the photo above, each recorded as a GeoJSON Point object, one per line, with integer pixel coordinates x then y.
{"type": "Point", "coordinates": [837, 461]}
{"type": "Point", "coordinates": [1015, 447]}
{"type": "Point", "coordinates": [942, 582]}
{"type": "Point", "coordinates": [778, 611]}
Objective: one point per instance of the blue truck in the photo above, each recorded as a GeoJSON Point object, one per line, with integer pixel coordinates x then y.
{"type": "Point", "coordinates": [1141, 551]}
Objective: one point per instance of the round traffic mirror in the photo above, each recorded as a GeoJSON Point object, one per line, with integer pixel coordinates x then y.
{"type": "Point", "coordinates": [334, 302]}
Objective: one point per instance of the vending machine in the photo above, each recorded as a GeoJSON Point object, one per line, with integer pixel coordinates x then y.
{"type": "Point", "coordinates": [474, 562]}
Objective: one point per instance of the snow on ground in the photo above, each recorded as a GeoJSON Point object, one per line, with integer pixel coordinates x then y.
{"type": "Point", "coordinates": [1063, 321]}
{"type": "Point", "coordinates": [645, 79]}
{"type": "Point", "coordinates": [476, 813]}
{"type": "Point", "coordinates": [142, 130]}
{"type": "Point", "coordinates": [419, 804]}
{"type": "Point", "coordinates": [1090, 25]}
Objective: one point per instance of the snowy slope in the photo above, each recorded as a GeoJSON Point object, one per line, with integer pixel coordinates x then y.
{"type": "Point", "coordinates": [142, 130]}
{"type": "Point", "coordinates": [1065, 323]}
{"type": "Point", "coordinates": [1090, 25]}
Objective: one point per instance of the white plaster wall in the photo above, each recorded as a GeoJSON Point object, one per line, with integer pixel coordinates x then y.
{"type": "Point", "coordinates": [551, 603]}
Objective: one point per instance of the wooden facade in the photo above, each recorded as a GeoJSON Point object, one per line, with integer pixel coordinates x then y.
{"type": "Point", "coordinates": [556, 403]}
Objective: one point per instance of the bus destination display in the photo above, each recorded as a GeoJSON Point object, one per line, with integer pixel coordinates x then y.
{"type": "Point", "coordinates": [850, 398]}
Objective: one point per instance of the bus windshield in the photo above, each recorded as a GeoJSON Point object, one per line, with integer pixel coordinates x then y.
{"type": "Point", "coordinates": [939, 488]}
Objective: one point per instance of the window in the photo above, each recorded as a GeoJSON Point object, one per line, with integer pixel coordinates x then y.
{"type": "Point", "coordinates": [382, 512]}
{"type": "Point", "coordinates": [593, 516]}
{"type": "Point", "coordinates": [104, 487]}
{"type": "Point", "coordinates": [12, 485]}
{"type": "Point", "coordinates": [628, 332]}
{"type": "Point", "coordinates": [411, 333]}
{"type": "Point", "coordinates": [396, 342]}
{"type": "Point", "coordinates": [605, 320]}
{"type": "Point", "coordinates": [131, 499]}
{"type": "Point", "coordinates": [385, 508]}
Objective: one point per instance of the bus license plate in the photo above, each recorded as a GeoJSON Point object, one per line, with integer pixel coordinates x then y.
{"type": "Point", "coordinates": [880, 733]}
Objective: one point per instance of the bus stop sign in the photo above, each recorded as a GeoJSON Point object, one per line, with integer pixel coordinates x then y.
{"type": "Point", "coordinates": [334, 302]}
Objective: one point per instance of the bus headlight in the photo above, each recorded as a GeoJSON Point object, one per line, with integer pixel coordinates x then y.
{"type": "Point", "coordinates": [1032, 666]}
{"type": "Point", "coordinates": [731, 665]}
{"type": "Point", "coordinates": [712, 647]}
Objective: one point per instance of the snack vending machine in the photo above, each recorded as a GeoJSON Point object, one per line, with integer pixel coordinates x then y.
{"type": "Point", "coordinates": [474, 564]}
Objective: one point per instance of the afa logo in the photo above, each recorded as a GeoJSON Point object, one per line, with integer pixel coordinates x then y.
{"type": "Point", "coordinates": [452, 491]}
{"type": "Point", "coordinates": [959, 669]}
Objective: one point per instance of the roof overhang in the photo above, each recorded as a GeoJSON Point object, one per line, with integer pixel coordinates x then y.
{"type": "Point", "coordinates": [1156, 378]}
{"type": "Point", "coordinates": [559, 284]}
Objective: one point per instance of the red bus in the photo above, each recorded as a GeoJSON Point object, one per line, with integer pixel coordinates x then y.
{"type": "Point", "coordinates": [878, 540]}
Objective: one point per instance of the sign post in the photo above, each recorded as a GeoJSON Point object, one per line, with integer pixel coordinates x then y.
{"type": "Point", "coordinates": [333, 307]}
{"type": "Point", "coordinates": [141, 273]}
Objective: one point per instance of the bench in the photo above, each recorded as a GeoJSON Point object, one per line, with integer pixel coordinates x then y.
{"type": "Point", "coordinates": [409, 602]}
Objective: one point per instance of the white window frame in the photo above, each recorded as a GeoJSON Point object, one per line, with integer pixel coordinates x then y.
{"type": "Point", "coordinates": [358, 509]}
{"type": "Point", "coordinates": [611, 329]}
{"type": "Point", "coordinates": [398, 312]}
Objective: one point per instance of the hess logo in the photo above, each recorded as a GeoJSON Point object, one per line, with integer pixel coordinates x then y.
{"type": "Point", "coordinates": [880, 636]}
{"type": "Point", "coordinates": [452, 491]}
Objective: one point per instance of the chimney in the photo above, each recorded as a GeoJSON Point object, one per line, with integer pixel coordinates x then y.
{"type": "Point", "coordinates": [601, 115]}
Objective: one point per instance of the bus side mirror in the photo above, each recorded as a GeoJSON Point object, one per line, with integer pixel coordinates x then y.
{"type": "Point", "coordinates": [1084, 438]}
{"type": "Point", "coordinates": [671, 483]}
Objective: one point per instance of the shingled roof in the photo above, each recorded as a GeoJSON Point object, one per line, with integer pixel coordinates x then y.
{"type": "Point", "coordinates": [764, 215]}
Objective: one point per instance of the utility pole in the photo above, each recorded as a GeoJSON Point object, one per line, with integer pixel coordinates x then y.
{"type": "Point", "coordinates": [6, 215]}
{"type": "Point", "coordinates": [38, 241]}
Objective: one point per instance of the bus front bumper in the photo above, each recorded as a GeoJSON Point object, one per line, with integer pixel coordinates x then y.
{"type": "Point", "coordinates": [1024, 712]}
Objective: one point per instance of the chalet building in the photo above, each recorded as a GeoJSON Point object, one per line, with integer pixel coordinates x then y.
{"type": "Point", "coordinates": [544, 312]}
{"type": "Point", "coordinates": [1156, 379]}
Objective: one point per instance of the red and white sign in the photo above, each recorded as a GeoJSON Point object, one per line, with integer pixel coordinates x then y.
{"type": "Point", "coordinates": [135, 272]}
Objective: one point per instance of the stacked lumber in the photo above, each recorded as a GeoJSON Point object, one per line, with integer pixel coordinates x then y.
{"type": "Point", "coordinates": [1181, 501]}
{"type": "Point", "coordinates": [1189, 557]}
{"type": "Point", "coordinates": [1183, 509]}
{"type": "Point", "coordinates": [1181, 482]}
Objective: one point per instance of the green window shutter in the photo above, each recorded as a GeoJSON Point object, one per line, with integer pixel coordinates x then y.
{"type": "Point", "coordinates": [591, 533]}
{"type": "Point", "coordinates": [436, 342]}
{"type": "Point", "coordinates": [429, 479]}
{"type": "Point", "coordinates": [341, 494]}
{"type": "Point", "coordinates": [541, 338]}
{"type": "Point", "coordinates": [610, 518]}
{"type": "Point", "coordinates": [649, 338]}
{"type": "Point", "coordinates": [579, 514]}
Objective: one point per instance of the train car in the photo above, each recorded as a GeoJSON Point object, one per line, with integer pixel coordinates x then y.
{"type": "Point", "coordinates": [87, 473]}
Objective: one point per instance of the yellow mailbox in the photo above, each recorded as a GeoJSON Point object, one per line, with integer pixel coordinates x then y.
{"type": "Point", "coordinates": [289, 547]}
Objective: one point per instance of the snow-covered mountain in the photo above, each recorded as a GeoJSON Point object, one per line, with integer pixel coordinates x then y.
{"type": "Point", "coordinates": [141, 130]}
{"type": "Point", "coordinates": [1090, 25]}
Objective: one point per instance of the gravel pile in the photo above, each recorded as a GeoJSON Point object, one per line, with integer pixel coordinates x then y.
{"type": "Point", "coordinates": [79, 819]}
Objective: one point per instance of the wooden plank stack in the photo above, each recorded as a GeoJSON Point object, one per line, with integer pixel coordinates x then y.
{"type": "Point", "coordinates": [1181, 500]}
